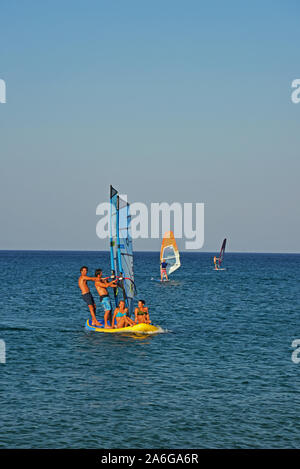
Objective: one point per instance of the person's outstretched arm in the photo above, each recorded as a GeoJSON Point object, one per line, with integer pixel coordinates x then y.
{"type": "Point", "coordinates": [93, 279]}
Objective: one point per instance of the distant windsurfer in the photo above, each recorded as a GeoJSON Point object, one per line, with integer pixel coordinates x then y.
{"type": "Point", "coordinates": [86, 294]}
{"type": "Point", "coordinates": [120, 316]}
{"type": "Point", "coordinates": [216, 261]}
{"type": "Point", "coordinates": [163, 270]}
{"type": "Point", "coordinates": [141, 313]}
{"type": "Point", "coordinates": [101, 287]}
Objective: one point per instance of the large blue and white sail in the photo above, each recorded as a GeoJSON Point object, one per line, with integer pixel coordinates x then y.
{"type": "Point", "coordinates": [121, 249]}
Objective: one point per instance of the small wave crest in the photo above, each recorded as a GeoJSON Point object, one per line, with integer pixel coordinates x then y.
{"type": "Point", "coordinates": [13, 328]}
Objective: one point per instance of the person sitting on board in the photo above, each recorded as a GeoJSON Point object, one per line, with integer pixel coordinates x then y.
{"type": "Point", "coordinates": [120, 315]}
{"type": "Point", "coordinates": [101, 287]}
{"type": "Point", "coordinates": [141, 313]}
{"type": "Point", "coordinates": [86, 294]}
{"type": "Point", "coordinates": [163, 270]}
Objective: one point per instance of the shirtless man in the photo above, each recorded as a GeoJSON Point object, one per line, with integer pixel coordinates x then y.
{"type": "Point", "coordinates": [101, 287]}
{"type": "Point", "coordinates": [86, 294]}
{"type": "Point", "coordinates": [216, 261]}
{"type": "Point", "coordinates": [141, 313]}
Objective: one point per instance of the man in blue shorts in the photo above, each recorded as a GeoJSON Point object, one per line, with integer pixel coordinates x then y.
{"type": "Point", "coordinates": [86, 294]}
{"type": "Point", "coordinates": [101, 287]}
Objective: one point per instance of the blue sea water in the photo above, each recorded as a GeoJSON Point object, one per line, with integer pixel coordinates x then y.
{"type": "Point", "coordinates": [220, 376]}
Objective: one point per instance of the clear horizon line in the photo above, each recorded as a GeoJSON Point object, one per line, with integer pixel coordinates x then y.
{"type": "Point", "coordinates": [150, 251]}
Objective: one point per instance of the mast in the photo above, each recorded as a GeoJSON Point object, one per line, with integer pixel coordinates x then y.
{"type": "Point", "coordinates": [113, 238]}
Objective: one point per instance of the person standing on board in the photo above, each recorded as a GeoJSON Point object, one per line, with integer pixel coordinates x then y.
{"type": "Point", "coordinates": [215, 262]}
{"type": "Point", "coordinates": [101, 287]}
{"type": "Point", "coordinates": [86, 294]}
{"type": "Point", "coordinates": [141, 313]}
{"type": "Point", "coordinates": [163, 269]}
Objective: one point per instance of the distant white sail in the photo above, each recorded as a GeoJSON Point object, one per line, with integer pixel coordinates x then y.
{"type": "Point", "coordinates": [169, 252]}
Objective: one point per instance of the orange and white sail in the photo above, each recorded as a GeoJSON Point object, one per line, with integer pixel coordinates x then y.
{"type": "Point", "coordinates": [169, 252]}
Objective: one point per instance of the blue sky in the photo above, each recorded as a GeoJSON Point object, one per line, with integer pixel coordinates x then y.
{"type": "Point", "coordinates": [168, 101]}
